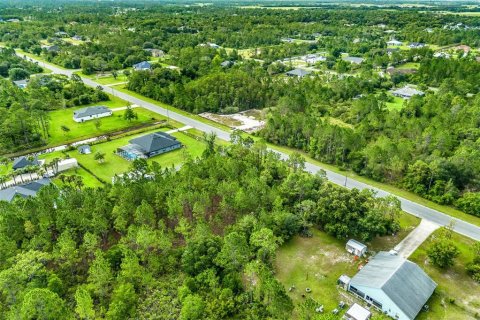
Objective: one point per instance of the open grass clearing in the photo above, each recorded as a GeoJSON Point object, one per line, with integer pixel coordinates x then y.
{"type": "Point", "coordinates": [396, 104]}
{"type": "Point", "coordinates": [115, 164]}
{"type": "Point", "coordinates": [317, 263]}
{"type": "Point", "coordinates": [409, 65]}
{"type": "Point", "coordinates": [88, 129]}
{"type": "Point", "coordinates": [457, 295]}
{"type": "Point", "coordinates": [87, 179]}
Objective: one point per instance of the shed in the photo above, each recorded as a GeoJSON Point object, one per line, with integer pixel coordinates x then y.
{"type": "Point", "coordinates": [344, 281]}
{"type": "Point", "coordinates": [66, 164]}
{"type": "Point", "coordinates": [84, 149]}
{"type": "Point", "coordinates": [357, 312]}
{"type": "Point", "coordinates": [356, 248]}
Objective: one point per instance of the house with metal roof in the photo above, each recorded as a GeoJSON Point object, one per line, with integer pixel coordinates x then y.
{"type": "Point", "coordinates": [22, 162]}
{"type": "Point", "coordinates": [355, 60]}
{"type": "Point", "coordinates": [25, 190]}
{"type": "Point", "coordinates": [90, 113]}
{"type": "Point", "coordinates": [356, 248]}
{"type": "Point", "coordinates": [148, 146]}
{"type": "Point", "coordinates": [393, 285]}
{"type": "Point", "coordinates": [300, 73]}
{"type": "Point", "coordinates": [407, 92]}
{"type": "Point", "coordinates": [22, 84]}
{"type": "Point", "coordinates": [416, 45]}
{"type": "Point", "coordinates": [144, 65]}
{"type": "Point", "coordinates": [84, 149]}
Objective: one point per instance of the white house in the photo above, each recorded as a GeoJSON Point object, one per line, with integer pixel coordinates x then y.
{"type": "Point", "coordinates": [407, 92]}
{"type": "Point", "coordinates": [393, 285]}
{"type": "Point", "coordinates": [90, 113]}
{"type": "Point", "coordinates": [394, 43]}
{"type": "Point", "coordinates": [356, 248]}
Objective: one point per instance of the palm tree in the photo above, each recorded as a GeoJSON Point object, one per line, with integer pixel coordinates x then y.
{"type": "Point", "coordinates": [54, 165]}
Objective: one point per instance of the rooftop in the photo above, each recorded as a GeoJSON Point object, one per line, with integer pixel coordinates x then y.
{"type": "Point", "coordinates": [90, 111]}
{"type": "Point", "coordinates": [25, 190]}
{"type": "Point", "coordinates": [405, 283]}
{"type": "Point", "coordinates": [154, 141]}
{"type": "Point", "coordinates": [355, 244]}
{"type": "Point", "coordinates": [358, 312]}
{"type": "Point", "coordinates": [298, 73]}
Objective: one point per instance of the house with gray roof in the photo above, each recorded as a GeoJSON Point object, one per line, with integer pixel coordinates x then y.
{"type": "Point", "coordinates": [22, 84]}
{"type": "Point", "coordinates": [144, 65]}
{"type": "Point", "coordinates": [22, 162]}
{"type": "Point", "coordinates": [90, 113]}
{"type": "Point", "coordinates": [355, 247]}
{"type": "Point", "coordinates": [25, 190]}
{"type": "Point", "coordinates": [395, 286]}
{"type": "Point", "coordinates": [416, 45]}
{"type": "Point", "coordinates": [148, 146]}
{"type": "Point", "coordinates": [300, 73]}
{"type": "Point", "coordinates": [407, 92]}
{"type": "Point", "coordinates": [354, 60]}
{"type": "Point", "coordinates": [84, 149]}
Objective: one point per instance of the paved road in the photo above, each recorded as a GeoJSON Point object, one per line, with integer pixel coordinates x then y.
{"type": "Point", "coordinates": [415, 238]}
{"type": "Point", "coordinates": [411, 207]}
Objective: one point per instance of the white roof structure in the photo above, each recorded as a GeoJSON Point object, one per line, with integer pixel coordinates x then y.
{"type": "Point", "coordinates": [356, 245]}
{"type": "Point", "coordinates": [357, 312]}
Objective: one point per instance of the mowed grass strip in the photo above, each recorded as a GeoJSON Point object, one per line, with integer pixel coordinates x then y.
{"type": "Point", "coordinates": [457, 295]}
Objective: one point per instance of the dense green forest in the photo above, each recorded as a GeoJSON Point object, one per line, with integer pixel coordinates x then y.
{"type": "Point", "coordinates": [197, 243]}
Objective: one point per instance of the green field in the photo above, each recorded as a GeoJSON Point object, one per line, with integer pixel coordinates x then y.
{"type": "Point", "coordinates": [115, 164]}
{"type": "Point", "coordinates": [454, 284]}
{"type": "Point", "coordinates": [87, 179]}
{"type": "Point", "coordinates": [396, 104]}
{"type": "Point", "coordinates": [88, 129]}
{"type": "Point", "coordinates": [409, 65]}
{"type": "Point", "coordinates": [319, 261]}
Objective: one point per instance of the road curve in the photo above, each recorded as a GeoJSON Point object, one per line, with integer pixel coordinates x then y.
{"type": "Point", "coordinates": [460, 226]}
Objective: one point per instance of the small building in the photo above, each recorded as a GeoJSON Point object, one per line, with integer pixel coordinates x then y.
{"type": "Point", "coordinates": [77, 38]}
{"type": "Point", "coordinates": [53, 48]}
{"type": "Point", "coordinates": [148, 146]}
{"type": "Point", "coordinates": [90, 113]}
{"type": "Point", "coordinates": [67, 164]}
{"type": "Point", "coordinates": [357, 312]}
{"type": "Point", "coordinates": [416, 45]}
{"type": "Point", "coordinates": [394, 43]}
{"type": "Point", "coordinates": [61, 34]}
{"type": "Point", "coordinates": [344, 281]}
{"type": "Point", "coordinates": [22, 84]}
{"type": "Point", "coordinates": [213, 45]}
{"type": "Point", "coordinates": [144, 65]}
{"type": "Point", "coordinates": [84, 149]}
{"type": "Point", "coordinates": [157, 53]}
{"type": "Point", "coordinates": [314, 58]}
{"type": "Point", "coordinates": [442, 54]}
{"type": "Point", "coordinates": [395, 286]}
{"type": "Point", "coordinates": [356, 248]}
{"type": "Point", "coordinates": [227, 64]}
{"type": "Point", "coordinates": [299, 73]}
{"type": "Point", "coordinates": [407, 92]}
{"type": "Point", "coordinates": [25, 190]}
{"type": "Point", "coordinates": [23, 162]}
{"type": "Point", "coordinates": [354, 60]}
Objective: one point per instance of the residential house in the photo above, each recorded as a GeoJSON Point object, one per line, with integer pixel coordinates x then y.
{"type": "Point", "coordinates": [357, 312]}
{"type": "Point", "coordinates": [299, 73]}
{"type": "Point", "coordinates": [395, 286]}
{"type": "Point", "coordinates": [354, 60]}
{"type": "Point", "coordinates": [442, 54]}
{"type": "Point", "coordinates": [356, 248]}
{"type": "Point", "coordinates": [227, 64]}
{"type": "Point", "coordinates": [144, 65]}
{"type": "Point", "coordinates": [407, 92]}
{"type": "Point", "coordinates": [25, 190]}
{"type": "Point", "coordinates": [157, 53]}
{"type": "Point", "coordinates": [314, 58]}
{"type": "Point", "coordinates": [62, 34]}
{"type": "Point", "coordinates": [23, 162]}
{"type": "Point", "coordinates": [416, 45]}
{"type": "Point", "coordinates": [148, 146]}
{"type": "Point", "coordinates": [52, 48]}
{"type": "Point", "coordinates": [394, 43]}
{"type": "Point", "coordinates": [84, 149]}
{"type": "Point", "coordinates": [22, 84]}
{"type": "Point", "coordinates": [90, 113]}
{"type": "Point", "coordinates": [13, 20]}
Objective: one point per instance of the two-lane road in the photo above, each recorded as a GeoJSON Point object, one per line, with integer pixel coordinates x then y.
{"type": "Point", "coordinates": [411, 207]}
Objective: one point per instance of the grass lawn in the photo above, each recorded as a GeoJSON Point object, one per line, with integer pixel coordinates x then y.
{"type": "Point", "coordinates": [396, 104]}
{"type": "Point", "coordinates": [78, 131]}
{"type": "Point", "coordinates": [318, 262]}
{"type": "Point", "coordinates": [111, 80]}
{"type": "Point", "coordinates": [115, 164]}
{"type": "Point", "coordinates": [454, 284]}
{"type": "Point", "coordinates": [87, 178]}
{"type": "Point", "coordinates": [389, 188]}
{"type": "Point", "coordinates": [409, 65]}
